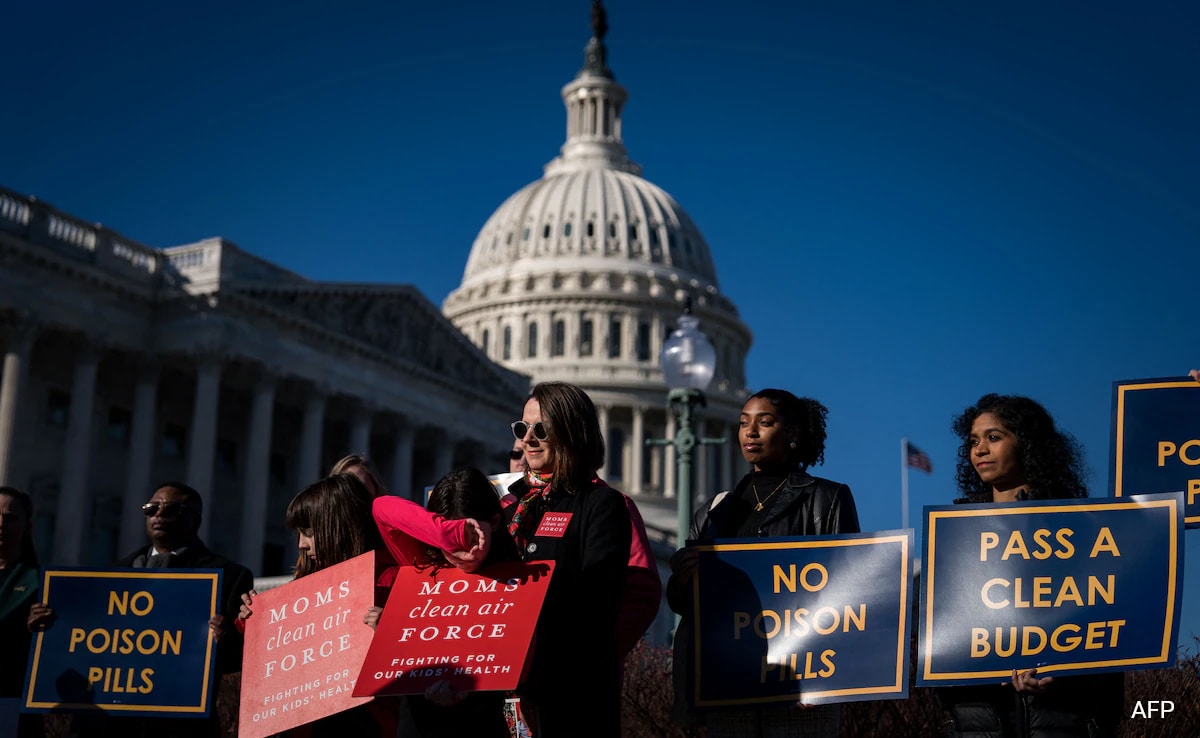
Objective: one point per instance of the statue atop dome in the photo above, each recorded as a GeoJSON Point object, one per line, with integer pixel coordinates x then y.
{"type": "Point", "coordinates": [599, 20]}
{"type": "Point", "coordinates": [595, 56]}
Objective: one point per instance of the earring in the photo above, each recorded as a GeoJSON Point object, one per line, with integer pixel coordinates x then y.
{"type": "Point", "coordinates": [792, 444]}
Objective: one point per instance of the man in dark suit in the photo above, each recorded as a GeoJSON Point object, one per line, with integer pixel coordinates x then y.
{"type": "Point", "coordinates": [172, 525]}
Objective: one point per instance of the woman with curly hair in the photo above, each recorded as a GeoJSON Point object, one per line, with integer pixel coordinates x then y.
{"type": "Point", "coordinates": [781, 436]}
{"type": "Point", "coordinates": [1011, 450]}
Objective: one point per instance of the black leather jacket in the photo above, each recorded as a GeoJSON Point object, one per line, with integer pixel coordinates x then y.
{"type": "Point", "coordinates": [807, 506]}
{"type": "Point", "coordinates": [1087, 706]}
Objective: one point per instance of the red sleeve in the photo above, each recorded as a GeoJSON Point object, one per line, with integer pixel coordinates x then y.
{"type": "Point", "coordinates": [643, 587]}
{"type": "Point", "coordinates": [406, 528]}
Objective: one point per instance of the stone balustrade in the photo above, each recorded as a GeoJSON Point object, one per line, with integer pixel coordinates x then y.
{"type": "Point", "coordinates": [43, 224]}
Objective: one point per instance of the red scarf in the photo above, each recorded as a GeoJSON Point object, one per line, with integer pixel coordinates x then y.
{"type": "Point", "coordinates": [522, 524]}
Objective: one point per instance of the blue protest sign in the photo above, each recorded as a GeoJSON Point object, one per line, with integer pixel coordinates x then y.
{"type": "Point", "coordinates": [1155, 442]}
{"type": "Point", "coordinates": [129, 641]}
{"type": "Point", "coordinates": [1068, 586]}
{"type": "Point", "coordinates": [816, 620]}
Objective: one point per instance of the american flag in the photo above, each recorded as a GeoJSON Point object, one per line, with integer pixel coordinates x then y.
{"type": "Point", "coordinates": [918, 459]}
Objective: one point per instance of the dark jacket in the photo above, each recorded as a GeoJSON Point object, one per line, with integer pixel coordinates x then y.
{"type": "Point", "coordinates": [1088, 706]}
{"type": "Point", "coordinates": [574, 679]}
{"type": "Point", "coordinates": [807, 506]}
{"type": "Point", "coordinates": [235, 581]}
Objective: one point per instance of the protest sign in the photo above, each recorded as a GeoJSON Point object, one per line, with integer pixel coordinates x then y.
{"type": "Point", "coordinates": [442, 623]}
{"type": "Point", "coordinates": [305, 643]}
{"type": "Point", "coordinates": [1067, 586]}
{"type": "Point", "coordinates": [127, 641]}
{"type": "Point", "coordinates": [817, 619]}
{"type": "Point", "coordinates": [1155, 440]}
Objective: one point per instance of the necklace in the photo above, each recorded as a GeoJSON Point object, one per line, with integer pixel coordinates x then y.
{"type": "Point", "coordinates": [762, 500]}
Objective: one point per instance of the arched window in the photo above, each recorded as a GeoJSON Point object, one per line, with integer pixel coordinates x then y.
{"type": "Point", "coordinates": [585, 337]}
{"type": "Point", "coordinates": [558, 338]}
{"type": "Point", "coordinates": [643, 341]}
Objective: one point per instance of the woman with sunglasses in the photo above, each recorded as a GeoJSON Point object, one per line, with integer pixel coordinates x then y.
{"type": "Point", "coordinates": [567, 515]}
{"type": "Point", "coordinates": [1011, 450]}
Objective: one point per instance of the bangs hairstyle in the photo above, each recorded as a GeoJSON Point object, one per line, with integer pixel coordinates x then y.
{"type": "Point", "coordinates": [468, 493]}
{"type": "Point", "coordinates": [574, 432]}
{"type": "Point", "coordinates": [337, 510]}
{"type": "Point", "coordinates": [25, 502]}
{"type": "Point", "coordinates": [1051, 459]}
{"type": "Point", "coordinates": [803, 416]}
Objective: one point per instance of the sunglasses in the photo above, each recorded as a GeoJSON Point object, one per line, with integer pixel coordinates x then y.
{"type": "Point", "coordinates": [520, 428]}
{"type": "Point", "coordinates": [514, 455]}
{"type": "Point", "coordinates": [169, 510]}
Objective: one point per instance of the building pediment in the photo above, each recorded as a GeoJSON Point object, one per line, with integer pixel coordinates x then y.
{"type": "Point", "coordinates": [395, 322]}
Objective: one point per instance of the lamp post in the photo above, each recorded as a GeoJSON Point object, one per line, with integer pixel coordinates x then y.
{"type": "Point", "coordinates": [688, 362]}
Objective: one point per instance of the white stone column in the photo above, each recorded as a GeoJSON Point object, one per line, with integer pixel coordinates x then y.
{"type": "Point", "coordinates": [141, 455]}
{"type": "Point", "coordinates": [256, 489]}
{"type": "Point", "coordinates": [311, 439]}
{"type": "Point", "coordinates": [669, 457]}
{"type": "Point", "coordinates": [736, 460]}
{"type": "Point", "coordinates": [731, 454]}
{"type": "Point", "coordinates": [402, 462]}
{"type": "Point", "coordinates": [17, 354]}
{"type": "Point", "coordinates": [443, 457]}
{"type": "Point", "coordinates": [602, 416]}
{"type": "Point", "coordinates": [360, 432]}
{"type": "Point", "coordinates": [202, 438]}
{"type": "Point", "coordinates": [74, 507]}
{"type": "Point", "coordinates": [638, 449]}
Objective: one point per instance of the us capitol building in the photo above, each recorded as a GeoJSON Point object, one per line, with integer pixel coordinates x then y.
{"type": "Point", "coordinates": [126, 365]}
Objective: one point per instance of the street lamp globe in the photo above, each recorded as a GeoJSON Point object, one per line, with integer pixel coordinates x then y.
{"type": "Point", "coordinates": [688, 358]}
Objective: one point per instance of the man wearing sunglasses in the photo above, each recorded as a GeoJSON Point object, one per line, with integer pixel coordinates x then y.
{"type": "Point", "coordinates": [172, 525]}
{"type": "Point", "coordinates": [516, 457]}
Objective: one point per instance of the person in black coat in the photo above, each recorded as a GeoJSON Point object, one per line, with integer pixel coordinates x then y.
{"type": "Point", "coordinates": [565, 514]}
{"type": "Point", "coordinates": [172, 524]}
{"type": "Point", "coordinates": [781, 436]}
{"type": "Point", "coordinates": [1011, 450]}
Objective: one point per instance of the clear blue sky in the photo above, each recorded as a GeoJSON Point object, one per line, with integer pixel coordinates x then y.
{"type": "Point", "coordinates": [911, 204]}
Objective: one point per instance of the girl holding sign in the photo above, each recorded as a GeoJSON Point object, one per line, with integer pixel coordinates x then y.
{"type": "Point", "coordinates": [1011, 450]}
{"type": "Point", "coordinates": [462, 527]}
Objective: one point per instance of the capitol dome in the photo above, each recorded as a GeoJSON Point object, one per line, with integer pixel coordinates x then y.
{"type": "Point", "coordinates": [580, 276]}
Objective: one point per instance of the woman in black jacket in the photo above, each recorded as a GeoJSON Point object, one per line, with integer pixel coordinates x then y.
{"type": "Point", "coordinates": [567, 515]}
{"type": "Point", "coordinates": [1011, 450]}
{"type": "Point", "coordinates": [781, 436]}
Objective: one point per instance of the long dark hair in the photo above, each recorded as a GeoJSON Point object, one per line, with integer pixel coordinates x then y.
{"type": "Point", "coordinates": [805, 417]}
{"type": "Point", "coordinates": [29, 555]}
{"type": "Point", "coordinates": [337, 510]}
{"type": "Point", "coordinates": [468, 493]}
{"type": "Point", "coordinates": [574, 432]}
{"type": "Point", "coordinates": [1051, 459]}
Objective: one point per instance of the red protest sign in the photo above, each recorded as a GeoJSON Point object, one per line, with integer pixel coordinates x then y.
{"type": "Point", "coordinates": [471, 629]}
{"type": "Point", "coordinates": [304, 646]}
